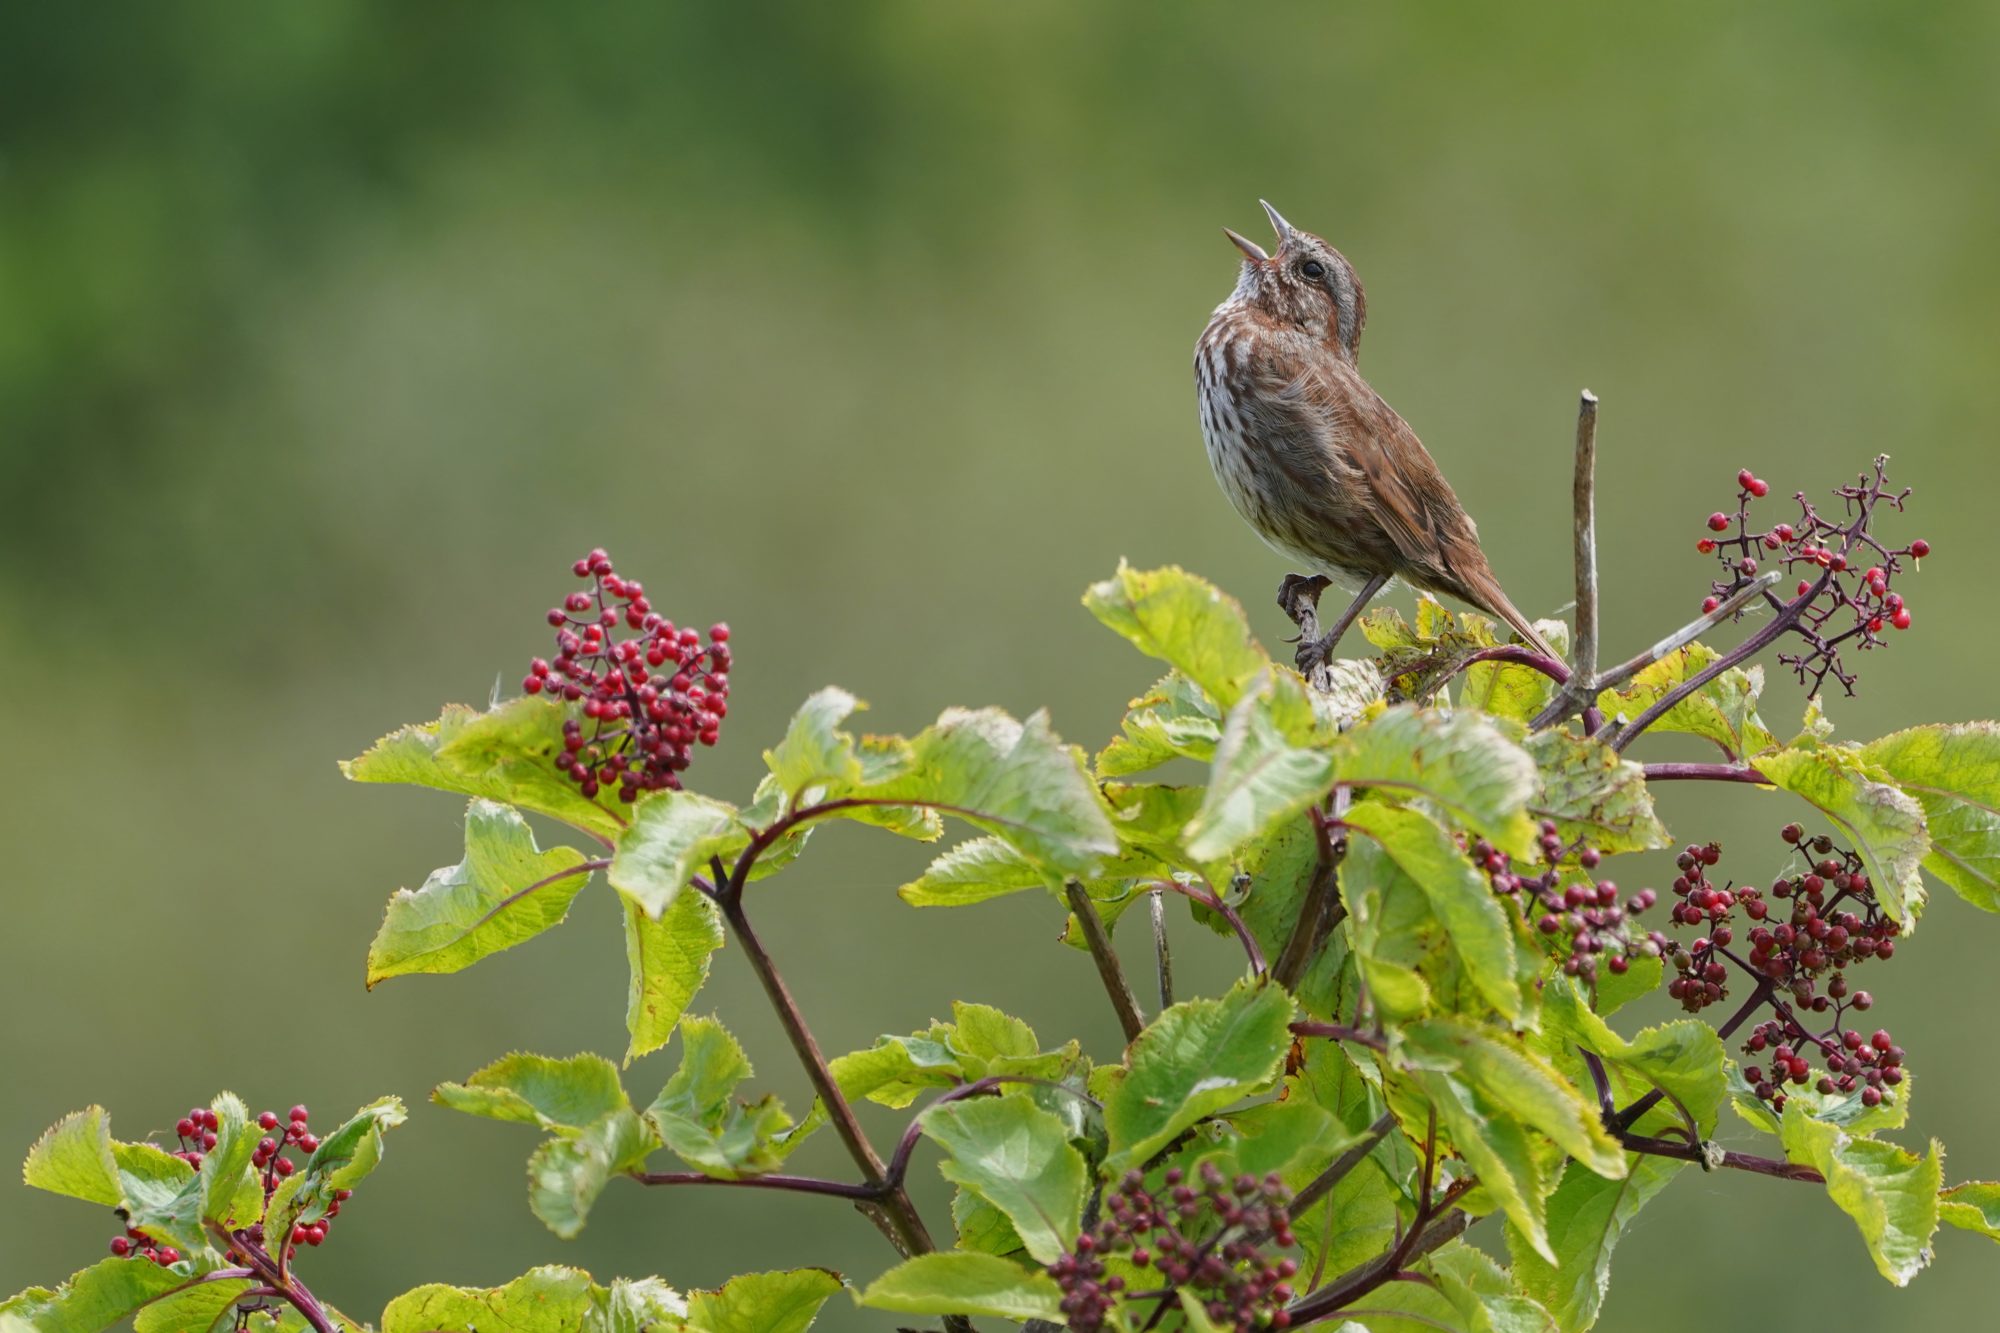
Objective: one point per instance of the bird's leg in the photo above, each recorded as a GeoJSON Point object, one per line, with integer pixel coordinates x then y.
{"type": "Point", "coordinates": [1298, 598]}
{"type": "Point", "coordinates": [1314, 653]}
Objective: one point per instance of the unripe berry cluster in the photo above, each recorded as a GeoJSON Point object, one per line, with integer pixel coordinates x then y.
{"type": "Point", "coordinates": [646, 700]}
{"type": "Point", "coordinates": [198, 1132]}
{"type": "Point", "coordinates": [1589, 918]}
{"type": "Point", "coordinates": [1842, 567]}
{"type": "Point", "coordinates": [1210, 1238]}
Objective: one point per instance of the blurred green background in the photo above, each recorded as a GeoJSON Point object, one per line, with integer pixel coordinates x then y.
{"type": "Point", "coordinates": [330, 334]}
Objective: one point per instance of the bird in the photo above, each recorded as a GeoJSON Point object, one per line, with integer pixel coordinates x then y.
{"type": "Point", "coordinates": [1311, 456]}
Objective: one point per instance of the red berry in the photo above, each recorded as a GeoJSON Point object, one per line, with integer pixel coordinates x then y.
{"type": "Point", "coordinates": [184, 1127]}
{"type": "Point", "coordinates": [297, 1113]}
{"type": "Point", "coordinates": [120, 1246]}
{"type": "Point", "coordinates": [1901, 620]}
{"type": "Point", "coordinates": [1718, 522]}
{"type": "Point", "coordinates": [1709, 604]}
{"type": "Point", "coordinates": [1920, 548]}
{"type": "Point", "coordinates": [1706, 546]}
{"type": "Point", "coordinates": [283, 1166]}
{"type": "Point", "coordinates": [268, 1120]}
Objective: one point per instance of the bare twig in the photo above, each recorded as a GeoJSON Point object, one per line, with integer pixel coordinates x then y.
{"type": "Point", "coordinates": [1320, 909]}
{"type": "Point", "coordinates": [1163, 958]}
{"type": "Point", "coordinates": [1109, 970]}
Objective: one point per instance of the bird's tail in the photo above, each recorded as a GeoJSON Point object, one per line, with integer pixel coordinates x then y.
{"type": "Point", "coordinates": [1489, 596]}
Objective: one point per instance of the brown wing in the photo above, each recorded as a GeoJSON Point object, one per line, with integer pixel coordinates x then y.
{"type": "Point", "coordinates": [1398, 507]}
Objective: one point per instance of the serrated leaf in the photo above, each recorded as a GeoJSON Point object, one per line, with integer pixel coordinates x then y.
{"type": "Point", "coordinates": [561, 1095]}
{"type": "Point", "coordinates": [1461, 762]}
{"type": "Point", "coordinates": [1954, 774]}
{"type": "Point", "coordinates": [1518, 1082]}
{"type": "Point", "coordinates": [542, 1300]}
{"type": "Point", "coordinates": [982, 1227]}
{"type": "Point", "coordinates": [343, 1159]}
{"type": "Point", "coordinates": [668, 960]}
{"type": "Point", "coordinates": [1494, 1143]}
{"type": "Point", "coordinates": [1018, 1158]}
{"type": "Point", "coordinates": [1891, 1195]}
{"type": "Point", "coordinates": [74, 1158]}
{"type": "Point", "coordinates": [1586, 1217]}
{"type": "Point", "coordinates": [1186, 622]}
{"type": "Point", "coordinates": [973, 872]}
{"type": "Point", "coordinates": [1973, 1206]}
{"type": "Point", "coordinates": [1012, 779]}
{"type": "Point", "coordinates": [1884, 823]}
{"type": "Point", "coordinates": [1723, 711]}
{"type": "Point", "coordinates": [505, 754]}
{"type": "Point", "coordinates": [1593, 794]}
{"type": "Point", "coordinates": [1294, 1139]}
{"type": "Point", "coordinates": [698, 1117]}
{"type": "Point", "coordinates": [162, 1195]}
{"type": "Point", "coordinates": [566, 1174]}
{"type": "Point", "coordinates": [1683, 1058]}
{"type": "Point", "coordinates": [193, 1310]}
{"type": "Point", "coordinates": [815, 752]}
{"type": "Point", "coordinates": [1260, 777]}
{"type": "Point", "coordinates": [97, 1297]}
{"type": "Point", "coordinates": [505, 892]}
{"type": "Point", "coordinates": [227, 1183]}
{"type": "Point", "coordinates": [783, 1302]}
{"type": "Point", "coordinates": [1174, 719]}
{"type": "Point", "coordinates": [1194, 1059]}
{"type": "Point", "coordinates": [1460, 897]}
{"type": "Point", "coordinates": [674, 834]}
{"type": "Point", "coordinates": [963, 1282]}
{"type": "Point", "coordinates": [895, 1070]}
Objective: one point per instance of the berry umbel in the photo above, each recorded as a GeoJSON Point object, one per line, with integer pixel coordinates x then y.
{"type": "Point", "coordinates": [646, 700]}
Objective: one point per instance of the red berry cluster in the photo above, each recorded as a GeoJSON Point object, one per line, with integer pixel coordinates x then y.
{"type": "Point", "coordinates": [1702, 978]}
{"type": "Point", "coordinates": [1209, 1240]}
{"type": "Point", "coordinates": [646, 700]}
{"type": "Point", "coordinates": [1846, 571]}
{"type": "Point", "coordinates": [1586, 916]}
{"type": "Point", "coordinates": [198, 1134]}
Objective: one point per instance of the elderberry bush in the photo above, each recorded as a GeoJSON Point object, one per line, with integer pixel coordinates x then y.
{"type": "Point", "coordinates": [1424, 868]}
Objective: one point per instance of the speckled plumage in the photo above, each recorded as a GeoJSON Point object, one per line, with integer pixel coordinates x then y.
{"type": "Point", "coordinates": [1324, 470]}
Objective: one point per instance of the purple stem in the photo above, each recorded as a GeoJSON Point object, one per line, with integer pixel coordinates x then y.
{"type": "Point", "coordinates": [797, 1184]}
{"type": "Point", "coordinates": [1705, 773]}
{"type": "Point", "coordinates": [1213, 901]}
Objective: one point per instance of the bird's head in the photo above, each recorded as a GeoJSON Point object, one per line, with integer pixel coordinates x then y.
{"type": "Point", "coordinates": [1305, 283]}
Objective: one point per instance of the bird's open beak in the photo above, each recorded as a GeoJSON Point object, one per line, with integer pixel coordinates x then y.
{"type": "Point", "coordinates": [1251, 250]}
{"type": "Point", "coordinates": [1278, 223]}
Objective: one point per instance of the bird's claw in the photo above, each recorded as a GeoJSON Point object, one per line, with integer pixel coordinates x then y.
{"type": "Point", "coordinates": [1298, 598]}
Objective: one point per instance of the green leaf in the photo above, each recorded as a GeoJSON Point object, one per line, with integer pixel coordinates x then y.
{"type": "Point", "coordinates": [1509, 689]}
{"type": "Point", "coordinates": [983, 1227]}
{"type": "Point", "coordinates": [1495, 1144]}
{"type": "Point", "coordinates": [343, 1159]}
{"type": "Point", "coordinates": [1684, 1058]}
{"type": "Point", "coordinates": [815, 752]}
{"type": "Point", "coordinates": [1723, 711]}
{"type": "Point", "coordinates": [1186, 622]}
{"type": "Point", "coordinates": [1615, 990]}
{"type": "Point", "coordinates": [1195, 1059]}
{"type": "Point", "coordinates": [635, 1305]}
{"type": "Point", "coordinates": [1587, 1217]}
{"type": "Point", "coordinates": [785, 1302]}
{"type": "Point", "coordinates": [1174, 719]}
{"type": "Point", "coordinates": [542, 1300]}
{"type": "Point", "coordinates": [895, 1070]}
{"type": "Point", "coordinates": [561, 1095]}
{"type": "Point", "coordinates": [74, 1158]}
{"type": "Point", "coordinates": [1294, 1138]}
{"type": "Point", "coordinates": [1260, 778]}
{"type": "Point", "coordinates": [194, 1310]}
{"type": "Point", "coordinates": [973, 872]}
{"type": "Point", "coordinates": [1954, 773]}
{"type": "Point", "coordinates": [505, 755]}
{"type": "Point", "coordinates": [1460, 897]}
{"type": "Point", "coordinates": [229, 1190]}
{"type": "Point", "coordinates": [97, 1297]}
{"type": "Point", "coordinates": [698, 1117]}
{"type": "Point", "coordinates": [1891, 1195]}
{"type": "Point", "coordinates": [1885, 824]}
{"type": "Point", "coordinates": [1460, 761]}
{"type": "Point", "coordinates": [1463, 1292]}
{"type": "Point", "coordinates": [1520, 1083]}
{"type": "Point", "coordinates": [1593, 794]}
{"type": "Point", "coordinates": [566, 1174]}
{"type": "Point", "coordinates": [1018, 1158]}
{"type": "Point", "coordinates": [963, 1282]}
{"type": "Point", "coordinates": [1015, 780]}
{"type": "Point", "coordinates": [505, 892]}
{"type": "Point", "coordinates": [1396, 939]}
{"type": "Point", "coordinates": [674, 834]}
{"type": "Point", "coordinates": [1973, 1206]}
{"type": "Point", "coordinates": [668, 959]}
{"type": "Point", "coordinates": [162, 1195]}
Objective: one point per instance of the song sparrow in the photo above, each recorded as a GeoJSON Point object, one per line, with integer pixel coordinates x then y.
{"type": "Point", "coordinates": [1311, 456]}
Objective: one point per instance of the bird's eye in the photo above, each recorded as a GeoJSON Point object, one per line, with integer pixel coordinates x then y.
{"type": "Point", "coordinates": [1312, 268]}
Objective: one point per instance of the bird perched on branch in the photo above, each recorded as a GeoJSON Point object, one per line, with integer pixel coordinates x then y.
{"type": "Point", "coordinates": [1311, 456]}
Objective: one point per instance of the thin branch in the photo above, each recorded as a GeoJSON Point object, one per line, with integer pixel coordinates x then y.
{"type": "Point", "coordinates": [1320, 909]}
{"type": "Point", "coordinates": [1109, 970]}
{"type": "Point", "coordinates": [1705, 773]}
{"type": "Point", "coordinates": [1339, 1032]}
{"type": "Point", "coordinates": [1708, 1158]}
{"type": "Point", "coordinates": [1324, 1182]}
{"type": "Point", "coordinates": [1424, 1237]}
{"type": "Point", "coordinates": [796, 1184]}
{"type": "Point", "coordinates": [1583, 685]}
{"type": "Point", "coordinates": [1212, 900]}
{"type": "Point", "coordinates": [1163, 957]}
{"type": "Point", "coordinates": [1673, 643]}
